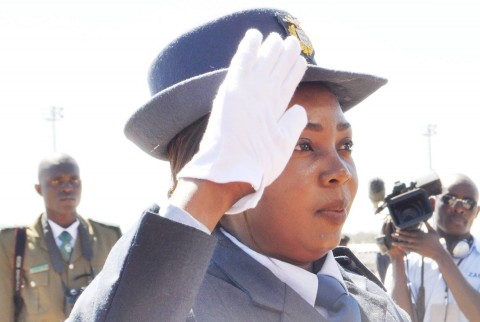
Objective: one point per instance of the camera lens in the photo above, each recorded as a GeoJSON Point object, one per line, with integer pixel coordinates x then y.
{"type": "Point", "coordinates": [410, 209]}
{"type": "Point", "coordinates": [74, 292]}
{"type": "Point", "coordinates": [410, 213]}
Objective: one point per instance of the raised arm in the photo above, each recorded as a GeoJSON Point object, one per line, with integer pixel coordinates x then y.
{"type": "Point", "coordinates": [155, 271]}
{"type": "Point", "coordinates": [428, 245]}
{"type": "Point", "coordinates": [397, 282]}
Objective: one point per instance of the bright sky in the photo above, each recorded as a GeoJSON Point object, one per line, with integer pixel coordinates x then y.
{"type": "Point", "coordinates": [91, 58]}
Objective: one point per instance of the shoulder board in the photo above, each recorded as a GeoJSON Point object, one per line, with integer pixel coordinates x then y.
{"type": "Point", "coordinates": [345, 258]}
{"type": "Point", "coordinates": [10, 229]}
{"type": "Point", "coordinates": [108, 226]}
{"type": "Point", "coordinates": [4, 229]}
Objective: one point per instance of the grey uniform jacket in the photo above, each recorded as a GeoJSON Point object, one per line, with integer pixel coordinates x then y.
{"type": "Point", "coordinates": [164, 271]}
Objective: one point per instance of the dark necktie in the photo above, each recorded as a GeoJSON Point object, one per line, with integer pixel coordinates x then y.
{"type": "Point", "coordinates": [66, 246]}
{"type": "Point", "coordinates": [332, 296]}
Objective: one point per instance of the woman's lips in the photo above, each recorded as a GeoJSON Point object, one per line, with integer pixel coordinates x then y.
{"type": "Point", "coordinates": [335, 212]}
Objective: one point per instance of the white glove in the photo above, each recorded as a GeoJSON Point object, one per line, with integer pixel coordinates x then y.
{"type": "Point", "coordinates": [250, 135]}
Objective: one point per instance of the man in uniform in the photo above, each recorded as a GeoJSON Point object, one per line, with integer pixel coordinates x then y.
{"type": "Point", "coordinates": [61, 251]}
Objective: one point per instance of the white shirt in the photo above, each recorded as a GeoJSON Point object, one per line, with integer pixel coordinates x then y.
{"type": "Point", "coordinates": [300, 280]}
{"type": "Point", "coordinates": [57, 230]}
{"type": "Point", "coordinates": [435, 295]}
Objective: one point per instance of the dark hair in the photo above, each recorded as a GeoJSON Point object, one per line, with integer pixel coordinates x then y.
{"type": "Point", "coordinates": [183, 147]}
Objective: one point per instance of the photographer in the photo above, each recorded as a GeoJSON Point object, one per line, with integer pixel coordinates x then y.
{"type": "Point", "coordinates": [435, 274]}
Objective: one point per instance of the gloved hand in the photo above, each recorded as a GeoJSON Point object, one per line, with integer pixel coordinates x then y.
{"type": "Point", "coordinates": [250, 135]}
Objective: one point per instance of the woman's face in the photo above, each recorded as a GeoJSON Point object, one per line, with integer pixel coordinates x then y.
{"type": "Point", "coordinates": [300, 216]}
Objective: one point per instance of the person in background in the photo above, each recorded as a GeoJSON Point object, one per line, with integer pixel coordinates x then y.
{"type": "Point", "coordinates": [344, 240]}
{"type": "Point", "coordinates": [253, 217]}
{"type": "Point", "coordinates": [435, 272]}
{"type": "Point", "coordinates": [60, 253]}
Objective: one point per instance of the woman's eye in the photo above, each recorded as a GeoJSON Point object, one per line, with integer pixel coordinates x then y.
{"type": "Point", "coordinates": [303, 146]}
{"type": "Point", "coordinates": [347, 146]}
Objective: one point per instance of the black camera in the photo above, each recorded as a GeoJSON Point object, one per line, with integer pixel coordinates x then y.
{"type": "Point", "coordinates": [71, 296]}
{"type": "Point", "coordinates": [409, 206]}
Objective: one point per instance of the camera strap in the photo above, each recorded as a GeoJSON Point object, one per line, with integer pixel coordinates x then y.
{"type": "Point", "coordinates": [421, 294]}
{"type": "Point", "coordinates": [346, 258]}
{"type": "Point", "coordinates": [420, 307]}
{"type": "Point", "coordinates": [446, 292]}
{"type": "Point", "coordinates": [20, 241]}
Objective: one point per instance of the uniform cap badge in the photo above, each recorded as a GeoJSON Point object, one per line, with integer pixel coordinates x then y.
{"type": "Point", "coordinates": [292, 28]}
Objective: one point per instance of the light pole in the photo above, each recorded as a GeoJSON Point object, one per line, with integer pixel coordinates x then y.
{"type": "Point", "coordinates": [54, 115]}
{"type": "Point", "coordinates": [431, 131]}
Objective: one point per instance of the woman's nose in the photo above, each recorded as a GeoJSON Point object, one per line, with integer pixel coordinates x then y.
{"type": "Point", "coordinates": [339, 171]}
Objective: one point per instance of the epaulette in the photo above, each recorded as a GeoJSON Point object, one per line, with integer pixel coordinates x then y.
{"type": "Point", "coordinates": [154, 208]}
{"type": "Point", "coordinates": [116, 228]}
{"type": "Point", "coordinates": [345, 258]}
{"type": "Point", "coordinates": [5, 230]}
{"type": "Point", "coordinates": [2, 229]}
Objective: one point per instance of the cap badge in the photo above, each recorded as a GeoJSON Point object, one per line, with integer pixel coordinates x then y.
{"type": "Point", "coordinates": [292, 28]}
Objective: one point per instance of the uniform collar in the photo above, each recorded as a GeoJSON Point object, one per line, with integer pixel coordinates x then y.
{"type": "Point", "coordinates": [300, 280]}
{"type": "Point", "coordinates": [57, 230]}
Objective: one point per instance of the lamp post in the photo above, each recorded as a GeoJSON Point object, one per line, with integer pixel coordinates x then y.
{"type": "Point", "coordinates": [54, 115]}
{"type": "Point", "coordinates": [431, 131]}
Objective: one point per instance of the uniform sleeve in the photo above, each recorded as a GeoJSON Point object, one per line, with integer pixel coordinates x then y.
{"type": "Point", "coordinates": [118, 232]}
{"type": "Point", "coordinates": [153, 273]}
{"type": "Point", "coordinates": [394, 311]}
{"type": "Point", "coordinates": [6, 278]}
